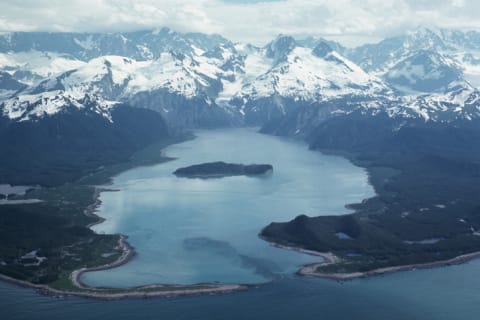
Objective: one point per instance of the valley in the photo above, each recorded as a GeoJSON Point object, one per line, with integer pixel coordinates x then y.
{"type": "Point", "coordinates": [75, 114]}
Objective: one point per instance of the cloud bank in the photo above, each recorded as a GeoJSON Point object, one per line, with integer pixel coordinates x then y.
{"type": "Point", "coordinates": [348, 21]}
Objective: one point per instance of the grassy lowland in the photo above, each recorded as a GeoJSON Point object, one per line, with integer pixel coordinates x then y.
{"type": "Point", "coordinates": [56, 230]}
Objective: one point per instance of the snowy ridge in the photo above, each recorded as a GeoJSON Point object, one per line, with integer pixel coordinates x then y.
{"type": "Point", "coordinates": [447, 55]}
{"type": "Point", "coordinates": [34, 107]}
{"type": "Point", "coordinates": [176, 73]}
{"type": "Point", "coordinates": [380, 57]}
{"type": "Point", "coordinates": [425, 72]}
{"type": "Point", "coordinates": [309, 78]}
{"type": "Point", "coordinates": [36, 65]}
{"type": "Point", "coordinates": [418, 75]}
{"type": "Point", "coordinates": [462, 103]}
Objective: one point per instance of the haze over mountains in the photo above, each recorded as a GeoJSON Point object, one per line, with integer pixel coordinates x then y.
{"type": "Point", "coordinates": [197, 80]}
{"type": "Point", "coordinates": [193, 80]}
{"type": "Point", "coordinates": [370, 123]}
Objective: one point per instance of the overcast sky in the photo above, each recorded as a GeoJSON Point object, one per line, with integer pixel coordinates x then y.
{"type": "Point", "coordinates": [348, 21]}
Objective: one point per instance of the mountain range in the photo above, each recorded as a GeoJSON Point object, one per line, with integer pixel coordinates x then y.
{"type": "Point", "coordinates": [191, 80]}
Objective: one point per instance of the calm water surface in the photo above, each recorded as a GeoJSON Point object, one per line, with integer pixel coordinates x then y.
{"type": "Point", "coordinates": [303, 182]}
{"type": "Point", "coordinates": [206, 230]}
{"type": "Point", "coordinates": [451, 293]}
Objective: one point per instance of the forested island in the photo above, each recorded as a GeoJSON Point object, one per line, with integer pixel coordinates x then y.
{"type": "Point", "coordinates": [220, 169]}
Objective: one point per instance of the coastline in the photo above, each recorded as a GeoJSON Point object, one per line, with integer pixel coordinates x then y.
{"type": "Point", "coordinates": [148, 291]}
{"type": "Point", "coordinates": [330, 258]}
{"type": "Point", "coordinates": [128, 253]}
{"type": "Point", "coordinates": [306, 270]}
{"type": "Point", "coordinates": [220, 175]}
{"type": "Point", "coordinates": [90, 210]}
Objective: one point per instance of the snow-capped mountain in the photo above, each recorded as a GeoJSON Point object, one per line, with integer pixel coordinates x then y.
{"type": "Point", "coordinates": [117, 77]}
{"type": "Point", "coordinates": [424, 72]}
{"type": "Point", "coordinates": [311, 75]}
{"type": "Point", "coordinates": [36, 106]}
{"type": "Point", "coordinates": [446, 54]}
{"type": "Point", "coordinates": [196, 80]}
{"type": "Point", "coordinates": [460, 40]}
{"type": "Point", "coordinates": [284, 74]}
{"type": "Point", "coordinates": [52, 137]}
{"type": "Point", "coordinates": [380, 57]}
{"type": "Point", "coordinates": [34, 57]}
{"type": "Point", "coordinates": [141, 45]}
{"type": "Point", "coordinates": [89, 94]}
{"type": "Point", "coordinates": [30, 67]}
{"type": "Point", "coordinates": [9, 86]}
{"type": "Point", "coordinates": [166, 84]}
{"type": "Point", "coordinates": [217, 86]}
{"type": "Point", "coordinates": [458, 104]}
{"type": "Point", "coordinates": [312, 42]}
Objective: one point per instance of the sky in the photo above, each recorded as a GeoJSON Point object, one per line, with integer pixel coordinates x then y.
{"type": "Point", "coordinates": [351, 22]}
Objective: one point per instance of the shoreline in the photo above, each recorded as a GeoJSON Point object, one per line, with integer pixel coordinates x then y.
{"type": "Point", "coordinates": [90, 210]}
{"type": "Point", "coordinates": [155, 290]}
{"type": "Point", "coordinates": [220, 175]}
{"type": "Point", "coordinates": [128, 252]}
{"type": "Point", "coordinates": [330, 258]}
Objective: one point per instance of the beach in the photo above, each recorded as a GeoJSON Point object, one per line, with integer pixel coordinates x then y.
{"type": "Point", "coordinates": [149, 291]}
{"type": "Point", "coordinates": [330, 258]}
{"type": "Point", "coordinates": [127, 253]}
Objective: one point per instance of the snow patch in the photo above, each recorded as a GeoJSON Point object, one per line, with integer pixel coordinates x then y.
{"type": "Point", "coordinates": [87, 44]}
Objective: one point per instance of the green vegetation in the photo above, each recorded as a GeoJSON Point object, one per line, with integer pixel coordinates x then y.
{"type": "Point", "coordinates": [426, 177]}
{"type": "Point", "coordinates": [222, 169]}
{"type": "Point", "coordinates": [66, 146]}
{"type": "Point", "coordinates": [57, 228]}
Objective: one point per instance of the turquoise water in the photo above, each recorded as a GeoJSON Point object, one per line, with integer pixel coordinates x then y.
{"type": "Point", "coordinates": [449, 293]}
{"type": "Point", "coordinates": [206, 230]}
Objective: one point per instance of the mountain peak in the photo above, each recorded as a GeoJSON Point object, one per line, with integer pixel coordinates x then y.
{"type": "Point", "coordinates": [423, 37]}
{"type": "Point", "coordinates": [322, 49]}
{"type": "Point", "coordinates": [280, 47]}
{"type": "Point", "coordinates": [422, 31]}
{"type": "Point", "coordinates": [424, 71]}
{"type": "Point", "coordinates": [163, 30]}
{"type": "Point", "coordinates": [35, 106]}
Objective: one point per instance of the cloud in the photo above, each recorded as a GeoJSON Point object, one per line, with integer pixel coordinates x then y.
{"type": "Point", "coordinates": [458, 3]}
{"type": "Point", "coordinates": [253, 21]}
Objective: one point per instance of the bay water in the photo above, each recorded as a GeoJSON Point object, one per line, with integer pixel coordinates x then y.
{"type": "Point", "coordinates": [189, 231]}
{"type": "Point", "coordinates": [193, 230]}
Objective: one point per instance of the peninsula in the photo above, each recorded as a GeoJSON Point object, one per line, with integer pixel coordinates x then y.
{"type": "Point", "coordinates": [222, 169]}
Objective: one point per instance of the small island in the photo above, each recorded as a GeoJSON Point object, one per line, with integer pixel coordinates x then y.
{"type": "Point", "coordinates": [222, 169]}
